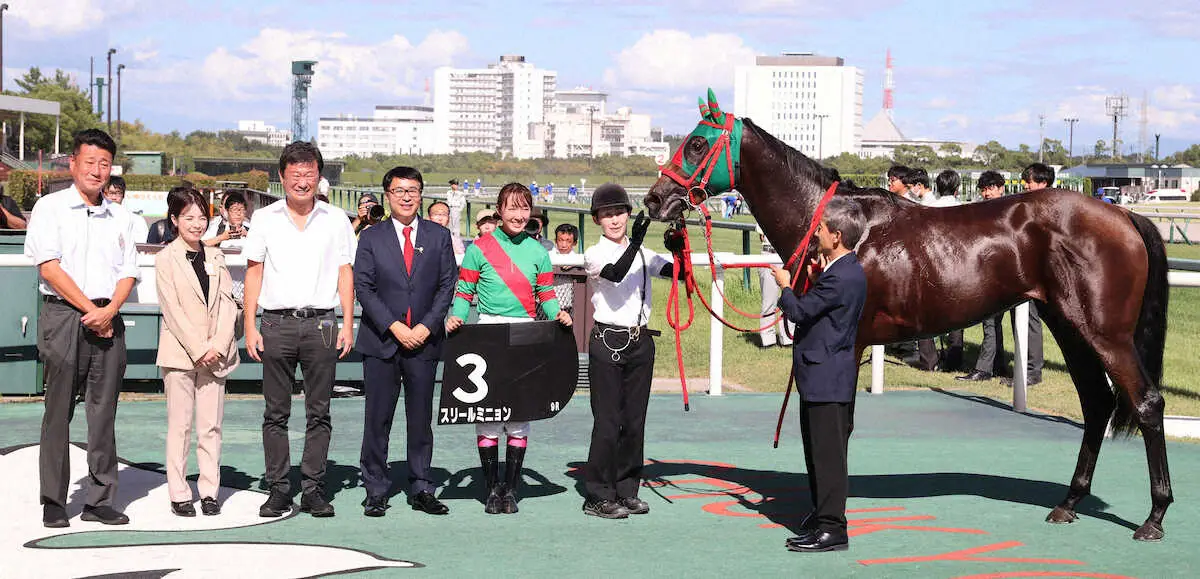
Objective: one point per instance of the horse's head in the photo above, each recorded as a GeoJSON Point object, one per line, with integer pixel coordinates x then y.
{"type": "Point", "coordinates": [705, 164]}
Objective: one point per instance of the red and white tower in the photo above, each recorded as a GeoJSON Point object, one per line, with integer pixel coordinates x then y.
{"type": "Point", "coordinates": [888, 86]}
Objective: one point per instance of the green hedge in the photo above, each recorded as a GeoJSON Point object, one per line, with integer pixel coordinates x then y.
{"type": "Point", "coordinates": [22, 185]}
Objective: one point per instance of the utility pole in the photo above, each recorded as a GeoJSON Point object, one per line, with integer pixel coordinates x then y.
{"type": "Point", "coordinates": [1070, 136]}
{"type": "Point", "coordinates": [1156, 137]}
{"type": "Point", "coordinates": [821, 135]}
{"type": "Point", "coordinates": [1116, 107]}
{"type": "Point", "coordinates": [120, 67]}
{"type": "Point", "coordinates": [92, 80]}
{"type": "Point", "coordinates": [108, 105]}
{"type": "Point", "coordinates": [3, 7]}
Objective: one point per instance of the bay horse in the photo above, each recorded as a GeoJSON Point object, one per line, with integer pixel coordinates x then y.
{"type": "Point", "coordinates": [1097, 273]}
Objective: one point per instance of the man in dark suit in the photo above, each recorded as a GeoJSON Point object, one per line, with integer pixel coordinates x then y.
{"type": "Point", "coordinates": [404, 274]}
{"type": "Point", "coordinates": [823, 360]}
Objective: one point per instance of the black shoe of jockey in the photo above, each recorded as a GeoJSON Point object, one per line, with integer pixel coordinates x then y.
{"type": "Point", "coordinates": [514, 457]}
{"type": "Point", "coordinates": [489, 459]}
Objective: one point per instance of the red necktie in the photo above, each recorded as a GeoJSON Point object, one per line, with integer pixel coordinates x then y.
{"type": "Point", "coordinates": [408, 259]}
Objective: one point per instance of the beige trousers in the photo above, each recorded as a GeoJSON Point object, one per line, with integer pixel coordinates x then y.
{"type": "Point", "coordinates": [200, 393]}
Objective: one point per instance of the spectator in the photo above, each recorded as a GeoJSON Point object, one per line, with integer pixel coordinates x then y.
{"type": "Point", "coordinates": [115, 193]}
{"type": "Point", "coordinates": [780, 331]}
{"type": "Point", "coordinates": [367, 214]}
{"type": "Point", "coordinates": [163, 231]}
{"type": "Point", "coordinates": [917, 183]}
{"type": "Point", "coordinates": [895, 179]}
{"type": "Point", "coordinates": [231, 229]}
{"type": "Point", "coordinates": [485, 222]}
{"type": "Point", "coordinates": [439, 213]}
{"type": "Point", "coordinates": [538, 222]}
{"type": "Point", "coordinates": [456, 200]}
{"type": "Point", "coordinates": [10, 213]}
{"type": "Point", "coordinates": [566, 237]}
{"type": "Point", "coordinates": [991, 350]}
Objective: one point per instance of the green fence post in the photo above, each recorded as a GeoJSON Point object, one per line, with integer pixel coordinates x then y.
{"type": "Point", "coordinates": [745, 251]}
{"type": "Point", "coordinates": [579, 246]}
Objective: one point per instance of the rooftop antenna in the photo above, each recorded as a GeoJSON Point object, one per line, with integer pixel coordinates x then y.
{"type": "Point", "coordinates": [302, 73]}
{"type": "Point", "coordinates": [1142, 122]}
{"type": "Point", "coordinates": [1116, 107]}
{"type": "Point", "coordinates": [888, 86]}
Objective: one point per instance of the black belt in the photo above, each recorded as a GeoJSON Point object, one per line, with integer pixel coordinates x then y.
{"type": "Point", "coordinates": [299, 313]}
{"type": "Point", "coordinates": [101, 302]}
{"type": "Point", "coordinates": [640, 329]}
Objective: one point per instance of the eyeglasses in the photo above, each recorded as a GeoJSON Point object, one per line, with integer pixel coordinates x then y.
{"type": "Point", "coordinates": [402, 192]}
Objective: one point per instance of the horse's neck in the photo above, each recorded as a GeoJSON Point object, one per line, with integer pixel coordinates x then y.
{"type": "Point", "coordinates": [781, 200]}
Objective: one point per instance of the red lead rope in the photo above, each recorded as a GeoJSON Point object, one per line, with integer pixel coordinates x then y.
{"type": "Point", "coordinates": [683, 263]}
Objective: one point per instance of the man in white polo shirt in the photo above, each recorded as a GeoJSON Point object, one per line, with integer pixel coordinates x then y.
{"type": "Point", "coordinates": [84, 249]}
{"type": "Point", "coordinates": [298, 254]}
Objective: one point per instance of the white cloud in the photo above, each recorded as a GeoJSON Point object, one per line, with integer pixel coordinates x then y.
{"type": "Point", "coordinates": [1022, 117]}
{"type": "Point", "coordinates": [954, 121]}
{"type": "Point", "coordinates": [940, 102]}
{"type": "Point", "coordinates": [674, 59]}
{"type": "Point", "coordinates": [45, 18]}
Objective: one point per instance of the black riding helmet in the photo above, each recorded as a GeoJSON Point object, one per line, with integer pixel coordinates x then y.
{"type": "Point", "coordinates": [610, 195]}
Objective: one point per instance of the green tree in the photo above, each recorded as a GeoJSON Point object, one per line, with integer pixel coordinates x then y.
{"type": "Point", "coordinates": [1101, 149]}
{"type": "Point", "coordinates": [950, 150]}
{"type": "Point", "coordinates": [76, 113]}
{"type": "Point", "coordinates": [915, 155]}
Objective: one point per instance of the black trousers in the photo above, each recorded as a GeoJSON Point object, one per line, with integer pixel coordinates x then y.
{"type": "Point", "coordinates": [383, 380]}
{"type": "Point", "coordinates": [620, 392]}
{"type": "Point", "coordinates": [311, 343]}
{"type": "Point", "coordinates": [77, 360]}
{"type": "Point", "coordinates": [991, 350]}
{"type": "Point", "coordinates": [825, 428]}
{"type": "Point", "coordinates": [927, 350]}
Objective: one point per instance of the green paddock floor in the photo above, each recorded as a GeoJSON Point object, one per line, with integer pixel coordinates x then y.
{"type": "Point", "coordinates": [943, 485]}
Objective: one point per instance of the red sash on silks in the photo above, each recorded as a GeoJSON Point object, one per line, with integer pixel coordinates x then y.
{"type": "Point", "coordinates": [508, 271]}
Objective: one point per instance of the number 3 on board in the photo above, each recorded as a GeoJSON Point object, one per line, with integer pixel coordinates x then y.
{"type": "Point", "coordinates": [478, 367]}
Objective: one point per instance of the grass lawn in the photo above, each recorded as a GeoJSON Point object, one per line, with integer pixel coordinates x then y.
{"type": "Point", "coordinates": [767, 369]}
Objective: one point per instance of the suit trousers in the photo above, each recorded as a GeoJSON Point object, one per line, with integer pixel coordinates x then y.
{"type": "Point", "coordinates": [825, 429]}
{"type": "Point", "coordinates": [779, 328]}
{"type": "Point", "coordinates": [383, 380]}
{"type": "Point", "coordinates": [311, 343]}
{"type": "Point", "coordinates": [620, 393]}
{"type": "Point", "coordinates": [927, 349]}
{"type": "Point", "coordinates": [200, 394]}
{"type": "Point", "coordinates": [77, 360]}
{"type": "Point", "coordinates": [991, 350]}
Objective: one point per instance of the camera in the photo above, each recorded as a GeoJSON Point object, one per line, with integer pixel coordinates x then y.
{"type": "Point", "coordinates": [376, 212]}
{"type": "Point", "coordinates": [532, 227]}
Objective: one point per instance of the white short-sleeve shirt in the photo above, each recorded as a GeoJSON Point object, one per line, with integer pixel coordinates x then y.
{"type": "Point", "coordinates": [626, 303]}
{"type": "Point", "coordinates": [300, 267]}
{"type": "Point", "coordinates": [94, 244]}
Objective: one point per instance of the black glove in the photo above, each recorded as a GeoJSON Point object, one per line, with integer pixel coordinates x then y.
{"type": "Point", "coordinates": [673, 238]}
{"type": "Point", "coordinates": [641, 224]}
{"type": "Point", "coordinates": [615, 272]}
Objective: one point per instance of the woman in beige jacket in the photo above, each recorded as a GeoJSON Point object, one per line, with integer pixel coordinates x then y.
{"type": "Point", "coordinates": [196, 350]}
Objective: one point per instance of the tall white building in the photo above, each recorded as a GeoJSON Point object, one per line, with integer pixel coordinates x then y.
{"type": "Point", "coordinates": [813, 103]}
{"type": "Point", "coordinates": [393, 130]}
{"type": "Point", "coordinates": [491, 109]}
{"type": "Point", "coordinates": [261, 132]}
{"type": "Point", "coordinates": [579, 125]}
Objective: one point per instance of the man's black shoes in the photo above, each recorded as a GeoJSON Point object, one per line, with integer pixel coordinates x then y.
{"type": "Point", "coordinates": [314, 503]}
{"type": "Point", "coordinates": [819, 542]}
{"type": "Point", "coordinates": [975, 376]}
{"type": "Point", "coordinates": [54, 517]}
{"type": "Point", "coordinates": [634, 505]}
{"type": "Point", "coordinates": [105, 515]}
{"type": "Point", "coordinates": [375, 506]}
{"type": "Point", "coordinates": [183, 508]}
{"type": "Point", "coordinates": [1030, 381]}
{"type": "Point", "coordinates": [277, 505]}
{"type": "Point", "coordinates": [425, 501]}
{"type": "Point", "coordinates": [209, 506]}
{"type": "Point", "coordinates": [605, 509]}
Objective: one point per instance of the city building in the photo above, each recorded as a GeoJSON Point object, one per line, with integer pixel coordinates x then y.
{"type": "Point", "coordinates": [881, 137]}
{"type": "Point", "coordinates": [813, 103]}
{"type": "Point", "coordinates": [392, 130]}
{"type": "Point", "coordinates": [261, 132]}
{"type": "Point", "coordinates": [579, 125]}
{"type": "Point", "coordinates": [491, 109]}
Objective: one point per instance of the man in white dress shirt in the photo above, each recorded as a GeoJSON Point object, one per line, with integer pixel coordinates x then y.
{"type": "Point", "coordinates": [298, 255]}
{"type": "Point", "coordinates": [83, 246]}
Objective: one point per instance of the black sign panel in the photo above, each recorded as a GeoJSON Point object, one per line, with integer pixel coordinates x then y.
{"type": "Point", "coordinates": [507, 372]}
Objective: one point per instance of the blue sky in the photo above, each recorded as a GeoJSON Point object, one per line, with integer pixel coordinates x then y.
{"type": "Point", "coordinates": [972, 71]}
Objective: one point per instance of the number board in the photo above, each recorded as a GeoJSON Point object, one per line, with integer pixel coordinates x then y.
{"type": "Point", "coordinates": [507, 372]}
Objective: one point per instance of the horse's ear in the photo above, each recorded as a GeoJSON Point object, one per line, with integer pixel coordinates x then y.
{"type": "Point", "coordinates": [717, 115]}
{"type": "Point", "coordinates": [705, 112]}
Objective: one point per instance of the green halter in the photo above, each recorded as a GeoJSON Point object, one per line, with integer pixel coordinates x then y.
{"type": "Point", "coordinates": [715, 173]}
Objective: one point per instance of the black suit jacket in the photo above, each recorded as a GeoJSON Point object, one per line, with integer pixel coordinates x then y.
{"type": "Point", "coordinates": [387, 292]}
{"type": "Point", "coordinates": [826, 321]}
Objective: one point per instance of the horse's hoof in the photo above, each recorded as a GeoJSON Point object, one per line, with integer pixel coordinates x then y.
{"type": "Point", "coordinates": [1149, 532]}
{"type": "Point", "coordinates": [1061, 516]}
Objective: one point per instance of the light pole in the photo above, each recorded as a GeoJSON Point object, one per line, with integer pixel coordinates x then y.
{"type": "Point", "coordinates": [3, 7]}
{"type": "Point", "coordinates": [1070, 136]}
{"type": "Point", "coordinates": [120, 67]}
{"type": "Point", "coordinates": [111, 52]}
{"type": "Point", "coordinates": [820, 135]}
{"type": "Point", "coordinates": [1157, 176]}
{"type": "Point", "coordinates": [1157, 136]}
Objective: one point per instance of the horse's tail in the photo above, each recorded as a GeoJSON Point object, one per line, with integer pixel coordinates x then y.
{"type": "Point", "coordinates": [1151, 334]}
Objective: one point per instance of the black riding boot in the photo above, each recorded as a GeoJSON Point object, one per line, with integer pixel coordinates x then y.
{"type": "Point", "coordinates": [489, 458]}
{"type": "Point", "coordinates": [512, 477]}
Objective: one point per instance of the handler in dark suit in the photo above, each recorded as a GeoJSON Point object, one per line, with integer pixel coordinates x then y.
{"type": "Point", "coordinates": [404, 275]}
{"type": "Point", "coordinates": [826, 370]}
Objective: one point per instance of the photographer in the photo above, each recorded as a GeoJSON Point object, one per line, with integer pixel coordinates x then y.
{"type": "Point", "coordinates": [370, 212]}
{"type": "Point", "coordinates": [538, 222]}
{"type": "Point", "coordinates": [232, 227]}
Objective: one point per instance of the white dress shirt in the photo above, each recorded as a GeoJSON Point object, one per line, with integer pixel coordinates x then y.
{"type": "Point", "coordinates": [300, 267]}
{"type": "Point", "coordinates": [141, 230]}
{"type": "Point", "coordinates": [627, 303]}
{"type": "Point", "coordinates": [400, 232]}
{"type": "Point", "coordinates": [95, 245]}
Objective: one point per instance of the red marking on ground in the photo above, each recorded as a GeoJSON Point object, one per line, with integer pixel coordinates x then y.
{"type": "Point", "coordinates": [855, 531]}
{"type": "Point", "coordinates": [1044, 574]}
{"type": "Point", "coordinates": [969, 555]}
{"type": "Point", "coordinates": [698, 462]}
{"type": "Point", "coordinates": [848, 512]}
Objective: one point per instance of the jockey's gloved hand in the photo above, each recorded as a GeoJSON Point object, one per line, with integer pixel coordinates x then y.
{"type": "Point", "coordinates": [673, 238]}
{"type": "Point", "coordinates": [641, 224]}
{"type": "Point", "coordinates": [615, 272]}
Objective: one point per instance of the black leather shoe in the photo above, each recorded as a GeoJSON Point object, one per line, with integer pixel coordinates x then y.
{"type": "Point", "coordinates": [634, 505]}
{"type": "Point", "coordinates": [278, 504]}
{"type": "Point", "coordinates": [820, 541]}
{"type": "Point", "coordinates": [425, 501]}
{"type": "Point", "coordinates": [183, 509]}
{"type": "Point", "coordinates": [1028, 381]}
{"type": "Point", "coordinates": [375, 506]}
{"type": "Point", "coordinates": [975, 376]}
{"type": "Point", "coordinates": [54, 517]}
{"type": "Point", "coordinates": [605, 509]}
{"type": "Point", "coordinates": [105, 515]}
{"type": "Point", "coordinates": [209, 506]}
{"type": "Point", "coordinates": [314, 503]}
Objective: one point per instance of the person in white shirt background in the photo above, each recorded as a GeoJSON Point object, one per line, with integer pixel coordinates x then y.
{"type": "Point", "coordinates": [83, 247]}
{"type": "Point", "coordinates": [299, 259]}
{"type": "Point", "coordinates": [621, 355]}
{"type": "Point", "coordinates": [115, 193]}
{"type": "Point", "coordinates": [231, 227]}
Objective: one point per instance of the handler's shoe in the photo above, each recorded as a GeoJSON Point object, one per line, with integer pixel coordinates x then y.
{"type": "Point", "coordinates": [634, 505]}
{"type": "Point", "coordinates": [605, 509]}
